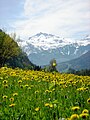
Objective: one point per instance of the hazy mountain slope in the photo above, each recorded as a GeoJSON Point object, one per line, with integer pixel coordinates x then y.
{"type": "Point", "coordinates": [83, 62]}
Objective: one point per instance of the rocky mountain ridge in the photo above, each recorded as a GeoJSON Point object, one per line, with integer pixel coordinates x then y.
{"type": "Point", "coordinates": [43, 47]}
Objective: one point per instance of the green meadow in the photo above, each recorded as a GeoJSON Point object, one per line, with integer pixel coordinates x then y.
{"type": "Point", "coordinates": [39, 95]}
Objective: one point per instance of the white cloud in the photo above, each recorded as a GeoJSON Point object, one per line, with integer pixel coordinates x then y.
{"type": "Point", "coordinates": [60, 17]}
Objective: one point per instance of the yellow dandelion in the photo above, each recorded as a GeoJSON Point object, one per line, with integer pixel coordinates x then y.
{"type": "Point", "coordinates": [46, 90]}
{"type": "Point", "coordinates": [74, 116]}
{"type": "Point", "coordinates": [68, 119]}
{"type": "Point", "coordinates": [32, 86]}
{"type": "Point", "coordinates": [84, 115]}
{"type": "Point", "coordinates": [5, 97]}
{"type": "Point", "coordinates": [75, 108]}
{"type": "Point", "coordinates": [81, 89]}
{"type": "Point", "coordinates": [26, 85]}
{"type": "Point", "coordinates": [15, 94]}
{"type": "Point", "coordinates": [5, 86]}
{"type": "Point", "coordinates": [12, 105]}
{"type": "Point", "coordinates": [5, 82]}
{"type": "Point", "coordinates": [21, 86]}
{"type": "Point", "coordinates": [1, 78]}
{"type": "Point", "coordinates": [11, 99]}
{"type": "Point", "coordinates": [85, 111]}
{"type": "Point", "coordinates": [53, 89]}
{"type": "Point", "coordinates": [50, 105]}
{"type": "Point", "coordinates": [50, 91]}
{"type": "Point", "coordinates": [20, 81]}
{"type": "Point", "coordinates": [36, 91]}
{"type": "Point", "coordinates": [46, 104]}
{"type": "Point", "coordinates": [88, 100]}
{"type": "Point", "coordinates": [37, 109]}
{"type": "Point", "coordinates": [29, 88]}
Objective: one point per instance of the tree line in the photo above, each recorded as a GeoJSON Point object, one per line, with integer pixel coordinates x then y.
{"type": "Point", "coordinates": [83, 72]}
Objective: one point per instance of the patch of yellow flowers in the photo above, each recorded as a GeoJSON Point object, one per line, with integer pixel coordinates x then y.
{"type": "Point", "coordinates": [48, 105]}
{"type": "Point", "coordinates": [57, 79]}
{"type": "Point", "coordinates": [83, 115]}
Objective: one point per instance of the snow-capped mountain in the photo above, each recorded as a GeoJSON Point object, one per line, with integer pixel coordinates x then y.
{"type": "Point", "coordinates": [47, 41]}
{"type": "Point", "coordinates": [43, 47]}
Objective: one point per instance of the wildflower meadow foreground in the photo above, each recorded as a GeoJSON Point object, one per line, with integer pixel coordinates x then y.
{"type": "Point", "coordinates": [39, 95]}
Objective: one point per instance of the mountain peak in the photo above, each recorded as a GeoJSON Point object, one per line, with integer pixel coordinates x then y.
{"type": "Point", "coordinates": [43, 47]}
{"type": "Point", "coordinates": [46, 41]}
{"type": "Point", "coordinates": [44, 35]}
{"type": "Point", "coordinates": [41, 33]}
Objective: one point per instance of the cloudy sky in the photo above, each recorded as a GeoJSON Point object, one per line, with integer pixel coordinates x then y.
{"type": "Point", "coordinates": [66, 18]}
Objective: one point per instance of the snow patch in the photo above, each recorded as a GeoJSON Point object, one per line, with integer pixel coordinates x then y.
{"type": "Point", "coordinates": [44, 41]}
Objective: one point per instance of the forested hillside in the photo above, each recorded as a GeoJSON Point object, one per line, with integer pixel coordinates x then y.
{"type": "Point", "coordinates": [11, 54]}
